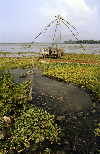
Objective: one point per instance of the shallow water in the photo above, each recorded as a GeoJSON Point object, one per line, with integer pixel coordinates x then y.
{"type": "Point", "coordinates": [69, 48]}
{"type": "Point", "coordinates": [73, 110]}
{"type": "Point", "coordinates": [16, 73]}
{"type": "Point", "coordinates": [59, 96]}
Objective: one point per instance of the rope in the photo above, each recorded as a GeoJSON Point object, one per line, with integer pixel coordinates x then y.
{"type": "Point", "coordinates": [46, 28]}
{"type": "Point", "coordinates": [73, 34]}
{"type": "Point", "coordinates": [42, 32]}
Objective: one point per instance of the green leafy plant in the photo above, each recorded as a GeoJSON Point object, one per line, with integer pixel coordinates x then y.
{"type": "Point", "coordinates": [97, 131]}
{"type": "Point", "coordinates": [21, 75]}
{"type": "Point", "coordinates": [29, 72]}
{"type": "Point", "coordinates": [11, 63]}
{"type": "Point", "coordinates": [12, 96]}
{"type": "Point", "coordinates": [83, 75]}
{"type": "Point", "coordinates": [80, 57]}
{"type": "Point", "coordinates": [32, 127]}
{"type": "Point", "coordinates": [47, 151]}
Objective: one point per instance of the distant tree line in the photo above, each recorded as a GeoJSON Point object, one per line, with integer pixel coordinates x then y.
{"type": "Point", "coordinates": [82, 42]}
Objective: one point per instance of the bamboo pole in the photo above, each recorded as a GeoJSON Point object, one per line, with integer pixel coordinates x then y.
{"type": "Point", "coordinates": [44, 52]}
{"type": "Point", "coordinates": [31, 87]}
{"type": "Point", "coordinates": [40, 52]}
{"type": "Point", "coordinates": [57, 50]}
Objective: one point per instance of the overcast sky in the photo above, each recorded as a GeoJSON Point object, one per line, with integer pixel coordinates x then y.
{"type": "Point", "coordinates": [22, 20]}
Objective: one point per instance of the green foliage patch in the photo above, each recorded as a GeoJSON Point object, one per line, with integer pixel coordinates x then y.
{"type": "Point", "coordinates": [22, 75]}
{"type": "Point", "coordinates": [29, 125]}
{"type": "Point", "coordinates": [12, 63]}
{"type": "Point", "coordinates": [32, 127]}
{"type": "Point", "coordinates": [84, 57]}
{"type": "Point", "coordinates": [97, 131]}
{"type": "Point", "coordinates": [83, 75]}
{"type": "Point", "coordinates": [12, 96]}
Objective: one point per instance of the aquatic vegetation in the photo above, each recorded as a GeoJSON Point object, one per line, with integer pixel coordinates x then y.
{"type": "Point", "coordinates": [12, 96]}
{"type": "Point", "coordinates": [22, 135]}
{"type": "Point", "coordinates": [33, 127]}
{"type": "Point", "coordinates": [47, 151]}
{"type": "Point", "coordinates": [94, 51]}
{"type": "Point", "coordinates": [11, 63]}
{"type": "Point", "coordinates": [97, 131]}
{"type": "Point", "coordinates": [22, 75]}
{"type": "Point", "coordinates": [74, 47]}
{"type": "Point", "coordinates": [29, 72]}
{"type": "Point", "coordinates": [83, 75]}
{"type": "Point", "coordinates": [19, 53]}
{"type": "Point", "coordinates": [30, 125]}
{"type": "Point", "coordinates": [85, 57]}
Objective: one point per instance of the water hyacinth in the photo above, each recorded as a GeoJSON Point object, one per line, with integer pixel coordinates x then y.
{"type": "Point", "coordinates": [21, 75]}
{"type": "Point", "coordinates": [12, 63]}
{"type": "Point", "coordinates": [12, 96]}
{"type": "Point", "coordinates": [86, 76]}
{"type": "Point", "coordinates": [32, 127]}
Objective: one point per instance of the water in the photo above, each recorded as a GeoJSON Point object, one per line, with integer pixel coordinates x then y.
{"type": "Point", "coordinates": [17, 72]}
{"type": "Point", "coordinates": [73, 110]}
{"type": "Point", "coordinates": [69, 48]}
{"type": "Point", "coordinates": [59, 97]}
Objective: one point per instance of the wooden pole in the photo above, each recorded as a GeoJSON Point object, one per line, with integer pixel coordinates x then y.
{"type": "Point", "coordinates": [40, 52]}
{"type": "Point", "coordinates": [44, 52]}
{"type": "Point", "coordinates": [59, 20]}
{"type": "Point", "coordinates": [31, 87]}
{"type": "Point", "coordinates": [33, 63]}
{"type": "Point", "coordinates": [57, 50]}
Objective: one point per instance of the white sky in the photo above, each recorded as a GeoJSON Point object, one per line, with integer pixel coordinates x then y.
{"type": "Point", "coordinates": [23, 20]}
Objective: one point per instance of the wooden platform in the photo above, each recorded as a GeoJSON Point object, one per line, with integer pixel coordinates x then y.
{"type": "Point", "coordinates": [52, 52]}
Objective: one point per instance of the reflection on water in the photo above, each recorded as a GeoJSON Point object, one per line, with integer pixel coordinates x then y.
{"type": "Point", "coordinates": [69, 48]}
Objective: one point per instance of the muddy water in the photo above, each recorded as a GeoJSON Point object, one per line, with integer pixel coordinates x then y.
{"type": "Point", "coordinates": [74, 112]}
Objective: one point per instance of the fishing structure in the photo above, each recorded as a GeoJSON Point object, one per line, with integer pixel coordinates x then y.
{"type": "Point", "coordinates": [56, 52]}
